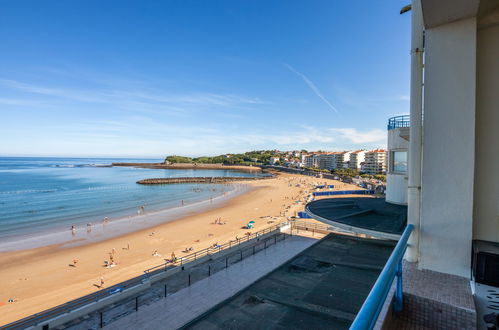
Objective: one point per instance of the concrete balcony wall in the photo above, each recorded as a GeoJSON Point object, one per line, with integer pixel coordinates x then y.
{"type": "Point", "coordinates": [486, 193]}
{"type": "Point", "coordinates": [449, 148]}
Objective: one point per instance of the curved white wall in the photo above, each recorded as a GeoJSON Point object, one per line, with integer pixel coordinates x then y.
{"type": "Point", "coordinates": [396, 189]}
{"type": "Point", "coordinates": [396, 183]}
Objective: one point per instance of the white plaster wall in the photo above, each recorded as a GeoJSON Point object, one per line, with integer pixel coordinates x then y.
{"type": "Point", "coordinates": [396, 189]}
{"type": "Point", "coordinates": [395, 141]}
{"type": "Point", "coordinates": [449, 147]}
{"type": "Point", "coordinates": [396, 184]}
{"type": "Point", "coordinates": [486, 198]}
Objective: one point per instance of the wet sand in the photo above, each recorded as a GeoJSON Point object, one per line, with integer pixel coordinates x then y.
{"type": "Point", "coordinates": [45, 277]}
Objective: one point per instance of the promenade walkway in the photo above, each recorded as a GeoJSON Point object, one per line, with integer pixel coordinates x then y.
{"type": "Point", "coordinates": [183, 306]}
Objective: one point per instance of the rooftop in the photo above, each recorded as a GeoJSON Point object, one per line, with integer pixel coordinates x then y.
{"type": "Point", "coordinates": [316, 289]}
{"type": "Point", "coordinates": [361, 214]}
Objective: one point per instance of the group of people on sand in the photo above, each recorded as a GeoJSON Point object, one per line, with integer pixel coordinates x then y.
{"type": "Point", "coordinates": [218, 221]}
{"type": "Point", "coordinates": [105, 221]}
{"type": "Point", "coordinates": [300, 183]}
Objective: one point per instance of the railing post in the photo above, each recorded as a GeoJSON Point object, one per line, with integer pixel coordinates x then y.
{"type": "Point", "coordinates": [136, 303]}
{"type": "Point", "coordinates": [398, 304]}
{"type": "Point", "coordinates": [209, 270]}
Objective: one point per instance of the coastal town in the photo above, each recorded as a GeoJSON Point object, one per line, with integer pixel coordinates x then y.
{"type": "Point", "coordinates": [370, 162]}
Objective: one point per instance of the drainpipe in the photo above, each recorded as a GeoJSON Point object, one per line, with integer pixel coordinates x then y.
{"type": "Point", "coordinates": [415, 142]}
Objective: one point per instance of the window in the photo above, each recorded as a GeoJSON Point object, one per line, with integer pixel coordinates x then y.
{"type": "Point", "coordinates": [399, 161]}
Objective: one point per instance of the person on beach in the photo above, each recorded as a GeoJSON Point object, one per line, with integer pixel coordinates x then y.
{"type": "Point", "coordinates": [101, 282]}
{"type": "Point", "coordinates": [174, 258]}
{"type": "Point", "coordinates": [73, 230]}
{"type": "Point", "coordinates": [113, 251]}
{"type": "Point", "coordinates": [182, 202]}
{"type": "Point", "coordinates": [128, 246]}
{"type": "Point", "coordinates": [89, 227]}
{"type": "Point", "coordinates": [75, 261]}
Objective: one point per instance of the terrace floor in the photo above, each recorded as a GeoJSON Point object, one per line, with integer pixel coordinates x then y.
{"type": "Point", "coordinates": [323, 287]}
{"type": "Point", "coordinates": [181, 307]}
{"type": "Point", "coordinates": [372, 214]}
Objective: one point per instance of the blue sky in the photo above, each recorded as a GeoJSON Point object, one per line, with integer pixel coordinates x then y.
{"type": "Point", "coordinates": [151, 78]}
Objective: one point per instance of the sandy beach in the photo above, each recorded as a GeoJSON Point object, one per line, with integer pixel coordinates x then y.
{"type": "Point", "coordinates": [41, 278]}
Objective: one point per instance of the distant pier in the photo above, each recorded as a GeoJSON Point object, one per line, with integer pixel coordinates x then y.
{"type": "Point", "coordinates": [215, 179]}
{"type": "Point", "coordinates": [191, 166]}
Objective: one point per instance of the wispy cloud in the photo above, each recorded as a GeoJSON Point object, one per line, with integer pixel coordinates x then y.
{"type": "Point", "coordinates": [312, 86]}
{"type": "Point", "coordinates": [131, 97]}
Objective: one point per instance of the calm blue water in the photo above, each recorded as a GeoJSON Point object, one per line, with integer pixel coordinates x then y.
{"type": "Point", "coordinates": [39, 195]}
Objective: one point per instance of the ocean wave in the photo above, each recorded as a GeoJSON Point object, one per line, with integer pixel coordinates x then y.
{"type": "Point", "coordinates": [27, 191]}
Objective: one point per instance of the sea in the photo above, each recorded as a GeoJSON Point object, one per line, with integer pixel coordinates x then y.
{"type": "Point", "coordinates": [42, 198]}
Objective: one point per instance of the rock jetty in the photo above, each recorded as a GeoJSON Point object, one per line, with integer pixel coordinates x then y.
{"type": "Point", "coordinates": [215, 179]}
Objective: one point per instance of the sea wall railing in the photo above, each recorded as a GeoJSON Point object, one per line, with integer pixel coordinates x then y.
{"type": "Point", "coordinates": [399, 121]}
{"type": "Point", "coordinates": [135, 283]}
{"type": "Point", "coordinates": [343, 192]}
{"type": "Point", "coordinates": [211, 250]}
{"type": "Point", "coordinates": [370, 310]}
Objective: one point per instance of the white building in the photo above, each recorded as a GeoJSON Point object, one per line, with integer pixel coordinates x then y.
{"type": "Point", "coordinates": [356, 159]}
{"type": "Point", "coordinates": [308, 160]}
{"type": "Point", "coordinates": [273, 160]}
{"type": "Point", "coordinates": [398, 145]}
{"type": "Point", "coordinates": [453, 177]}
{"type": "Point", "coordinates": [375, 162]}
{"type": "Point", "coordinates": [326, 161]}
{"type": "Point", "coordinates": [342, 159]}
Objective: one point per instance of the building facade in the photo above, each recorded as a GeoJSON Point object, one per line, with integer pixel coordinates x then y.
{"type": "Point", "coordinates": [357, 159]}
{"type": "Point", "coordinates": [375, 162]}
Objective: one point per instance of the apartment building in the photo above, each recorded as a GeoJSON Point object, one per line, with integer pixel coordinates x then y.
{"type": "Point", "coordinates": [357, 158]}
{"type": "Point", "coordinates": [375, 162]}
{"type": "Point", "coordinates": [342, 159]}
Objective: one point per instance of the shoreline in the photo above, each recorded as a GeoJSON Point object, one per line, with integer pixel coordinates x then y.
{"type": "Point", "coordinates": [40, 278]}
{"type": "Point", "coordinates": [120, 226]}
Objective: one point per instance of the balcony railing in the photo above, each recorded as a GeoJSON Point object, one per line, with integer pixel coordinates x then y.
{"type": "Point", "coordinates": [399, 121]}
{"type": "Point", "coordinates": [370, 310]}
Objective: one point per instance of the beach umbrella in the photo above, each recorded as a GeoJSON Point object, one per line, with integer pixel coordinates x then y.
{"type": "Point", "coordinates": [251, 222]}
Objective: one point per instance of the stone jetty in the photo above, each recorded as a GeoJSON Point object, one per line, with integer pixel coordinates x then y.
{"type": "Point", "coordinates": [214, 179]}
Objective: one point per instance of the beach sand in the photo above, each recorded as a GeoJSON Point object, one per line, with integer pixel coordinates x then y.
{"type": "Point", "coordinates": [40, 278]}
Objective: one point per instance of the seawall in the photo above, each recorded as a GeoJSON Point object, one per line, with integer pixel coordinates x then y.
{"type": "Point", "coordinates": [221, 179]}
{"type": "Point", "coordinates": [189, 166]}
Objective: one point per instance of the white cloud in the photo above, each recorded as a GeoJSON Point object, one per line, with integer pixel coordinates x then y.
{"type": "Point", "coordinates": [353, 135]}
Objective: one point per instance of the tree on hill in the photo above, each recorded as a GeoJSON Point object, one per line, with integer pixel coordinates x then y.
{"type": "Point", "coordinates": [346, 172]}
{"type": "Point", "coordinates": [178, 159]}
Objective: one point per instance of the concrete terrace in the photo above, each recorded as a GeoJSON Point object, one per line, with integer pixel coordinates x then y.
{"type": "Point", "coordinates": [182, 306]}
{"type": "Point", "coordinates": [323, 287]}
{"type": "Point", "coordinates": [372, 216]}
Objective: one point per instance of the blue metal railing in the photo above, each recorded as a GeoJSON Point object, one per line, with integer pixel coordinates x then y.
{"type": "Point", "coordinates": [369, 312]}
{"type": "Point", "coordinates": [399, 121]}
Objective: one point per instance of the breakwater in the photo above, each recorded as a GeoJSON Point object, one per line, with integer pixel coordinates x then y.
{"type": "Point", "coordinates": [190, 166]}
{"type": "Point", "coordinates": [215, 179]}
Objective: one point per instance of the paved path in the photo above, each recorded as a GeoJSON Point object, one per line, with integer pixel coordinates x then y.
{"type": "Point", "coordinates": [183, 306]}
